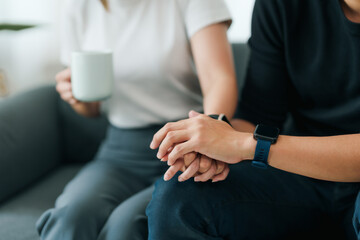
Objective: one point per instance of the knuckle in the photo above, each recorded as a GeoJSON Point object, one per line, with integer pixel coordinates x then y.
{"type": "Point", "coordinates": [199, 122]}
{"type": "Point", "coordinates": [168, 126]}
{"type": "Point", "coordinates": [156, 138]}
{"type": "Point", "coordinates": [171, 135]}
{"type": "Point", "coordinates": [198, 137]}
{"type": "Point", "coordinates": [178, 148]}
{"type": "Point", "coordinates": [205, 163]}
{"type": "Point", "coordinates": [187, 157]}
{"type": "Point", "coordinates": [58, 77]}
{"type": "Point", "coordinates": [200, 140]}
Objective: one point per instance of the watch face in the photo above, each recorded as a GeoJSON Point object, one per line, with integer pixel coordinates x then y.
{"type": "Point", "coordinates": [266, 132]}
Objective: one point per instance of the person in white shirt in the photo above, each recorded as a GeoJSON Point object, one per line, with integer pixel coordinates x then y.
{"type": "Point", "coordinates": [170, 56]}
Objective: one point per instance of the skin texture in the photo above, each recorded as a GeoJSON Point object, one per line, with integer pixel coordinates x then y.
{"type": "Point", "coordinates": [351, 10]}
{"type": "Point", "coordinates": [214, 63]}
{"type": "Point", "coordinates": [334, 158]}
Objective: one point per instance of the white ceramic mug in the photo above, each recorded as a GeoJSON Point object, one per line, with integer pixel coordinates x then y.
{"type": "Point", "coordinates": [92, 75]}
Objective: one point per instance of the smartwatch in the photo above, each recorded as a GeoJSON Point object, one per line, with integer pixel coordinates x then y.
{"type": "Point", "coordinates": [220, 117]}
{"type": "Point", "coordinates": [265, 136]}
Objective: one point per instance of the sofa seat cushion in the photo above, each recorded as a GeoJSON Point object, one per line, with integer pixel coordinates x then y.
{"type": "Point", "coordinates": [19, 215]}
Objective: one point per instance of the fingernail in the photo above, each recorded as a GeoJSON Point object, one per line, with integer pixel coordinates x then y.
{"type": "Point", "coordinates": [168, 163]}
{"type": "Point", "coordinates": [196, 179]}
{"type": "Point", "coordinates": [162, 160]}
{"type": "Point", "coordinates": [180, 179]}
{"type": "Point", "coordinates": [158, 155]}
{"type": "Point", "coordinates": [166, 178]}
{"type": "Point", "coordinates": [152, 145]}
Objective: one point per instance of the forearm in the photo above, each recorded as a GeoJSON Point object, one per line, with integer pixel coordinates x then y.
{"type": "Point", "coordinates": [216, 71]}
{"type": "Point", "coordinates": [87, 109]}
{"type": "Point", "coordinates": [335, 158]}
{"type": "Point", "coordinates": [221, 98]}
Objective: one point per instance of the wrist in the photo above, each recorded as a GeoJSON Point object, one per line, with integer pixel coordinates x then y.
{"type": "Point", "coordinates": [247, 145]}
{"type": "Point", "coordinates": [87, 109]}
{"type": "Point", "coordinates": [250, 146]}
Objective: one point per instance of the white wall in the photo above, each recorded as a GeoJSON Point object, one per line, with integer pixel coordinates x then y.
{"type": "Point", "coordinates": [30, 57]}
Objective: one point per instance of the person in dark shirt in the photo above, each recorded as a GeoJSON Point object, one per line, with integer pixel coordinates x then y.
{"type": "Point", "coordinates": [305, 68]}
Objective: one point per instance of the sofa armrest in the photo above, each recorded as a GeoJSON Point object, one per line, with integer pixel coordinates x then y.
{"type": "Point", "coordinates": [29, 138]}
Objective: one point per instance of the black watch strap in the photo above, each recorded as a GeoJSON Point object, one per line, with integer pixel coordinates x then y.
{"type": "Point", "coordinates": [220, 117]}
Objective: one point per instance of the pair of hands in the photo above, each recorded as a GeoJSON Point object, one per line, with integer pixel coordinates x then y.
{"type": "Point", "coordinates": [210, 138]}
{"type": "Point", "coordinates": [193, 164]}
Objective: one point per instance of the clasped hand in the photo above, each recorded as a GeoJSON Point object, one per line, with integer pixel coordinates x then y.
{"type": "Point", "coordinates": [191, 146]}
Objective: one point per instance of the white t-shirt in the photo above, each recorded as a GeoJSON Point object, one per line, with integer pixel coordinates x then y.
{"type": "Point", "coordinates": [155, 79]}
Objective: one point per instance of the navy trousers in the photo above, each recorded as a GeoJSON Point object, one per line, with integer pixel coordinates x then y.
{"type": "Point", "coordinates": [252, 204]}
{"type": "Point", "coordinates": [107, 199]}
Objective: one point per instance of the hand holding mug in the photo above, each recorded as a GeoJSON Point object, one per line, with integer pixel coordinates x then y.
{"type": "Point", "coordinates": [63, 86]}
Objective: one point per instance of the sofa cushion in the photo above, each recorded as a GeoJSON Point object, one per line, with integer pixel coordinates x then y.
{"type": "Point", "coordinates": [19, 215]}
{"type": "Point", "coordinates": [29, 140]}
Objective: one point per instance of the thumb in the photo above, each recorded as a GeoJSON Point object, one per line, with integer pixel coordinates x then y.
{"type": "Point", "coordinates": [193, 114]}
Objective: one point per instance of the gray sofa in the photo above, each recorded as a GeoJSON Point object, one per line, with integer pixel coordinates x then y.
{"type": "Point", "coordinates": [43, 143]}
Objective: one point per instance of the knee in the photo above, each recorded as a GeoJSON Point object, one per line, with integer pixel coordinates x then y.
{"type": "Point", "coordinates": [166, 196]}
{"type": "Point", "coordinates": [53, 222]}
{"type": "Point", "coordinates": [173, 198]}
{"type": "Point", "coordinates": [175, 206]}
{"type": "Point", "coordinates": [72, 220]}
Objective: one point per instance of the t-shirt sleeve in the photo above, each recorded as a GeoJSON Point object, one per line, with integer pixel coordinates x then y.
{"type": "Point", "coordinates": [202, 13]}
{"type": "Point", "coordinates": [265, 95]}
{"type": "Point", "coordinates": [70, 32]}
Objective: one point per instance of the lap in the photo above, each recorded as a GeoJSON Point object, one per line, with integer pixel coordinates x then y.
{"type": "Point", "coordinates": [246, 183]}
{"type": "Point", "coordinates": [255, 201]}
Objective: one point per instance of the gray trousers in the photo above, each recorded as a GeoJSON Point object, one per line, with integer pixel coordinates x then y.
{"type": "Point", "coordinates": [108, 197]}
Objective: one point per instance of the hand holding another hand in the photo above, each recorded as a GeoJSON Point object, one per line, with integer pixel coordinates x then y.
{"type": "Point", "coordinates": [198, 166]}
{"type": "Point", "coordinates": [209, 138]}
{"type": "Point", "coordinates": [204, 135]}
